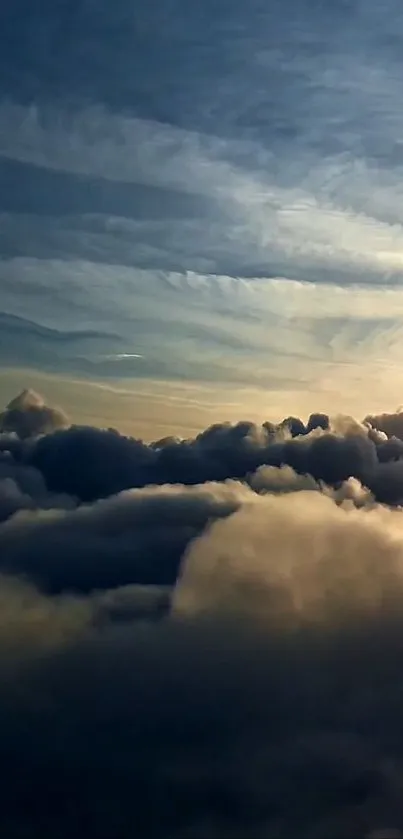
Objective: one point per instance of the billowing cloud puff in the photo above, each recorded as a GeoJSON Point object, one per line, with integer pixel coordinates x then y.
{"type": "Point", "coordinates": [28, 415]}
{"type": "Point", "coordinates": [303, 558]}
{"type": "Point", "coordinates": [390, 424]}
{"type": "Point", "coordinates": [136, 537]}
{"type": "Point", "coordinates": [202, 638]}
{"type": "Point", "coordinates": [90, 463]}
{"type": "Point", "coordinates": [267, 702]}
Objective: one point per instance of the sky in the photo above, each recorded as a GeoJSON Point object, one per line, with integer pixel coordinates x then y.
{"type": "Point", "coordinates": [201, 422]}
{"type": "Point", "coordinates": [203, 204]}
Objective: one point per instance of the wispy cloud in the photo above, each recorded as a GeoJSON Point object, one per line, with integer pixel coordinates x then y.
{"type": "Point", "coordinates": [310, 230]}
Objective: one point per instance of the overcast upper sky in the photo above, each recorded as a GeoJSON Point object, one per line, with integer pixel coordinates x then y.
{"type": "Point", "coordinates": [198, 199]}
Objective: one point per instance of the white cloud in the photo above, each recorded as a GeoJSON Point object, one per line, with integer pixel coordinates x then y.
{"type": "Point", "coordinates": [310, 226]}
{"type": "Point", "coordinates": [292, 559]}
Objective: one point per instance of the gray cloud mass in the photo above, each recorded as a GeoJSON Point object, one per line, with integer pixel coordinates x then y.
{"type": "Point", "coordinates": [200, 638]}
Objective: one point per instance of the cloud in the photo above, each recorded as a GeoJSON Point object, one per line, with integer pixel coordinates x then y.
{"type": "Point", "coordinates": [304, 559]}
{"type": "Point", "coordinates": [135, 537]}
{"type": "Point", "coordinates": [280, 480]}
{"type": "Point", "coordinates": [27, 415]}
{"type": "Point", "coordinates": [195, 327]}
{"type": "Point", "coordinates": [90, 463]}
{"type": "Point", "coordinates": [390, 424]}
{"type": "Point", "coordinates": [215, 650]}
{"type": "Point", "coordinates": [299, 228]}
{"type": "Point", "coordinates": [22, 487]}
{"type": "Point", "coordinates": [266, 703]}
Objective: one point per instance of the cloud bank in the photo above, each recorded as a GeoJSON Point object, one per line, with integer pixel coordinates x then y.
{"type": "Point", "coordinates": [201, 638]}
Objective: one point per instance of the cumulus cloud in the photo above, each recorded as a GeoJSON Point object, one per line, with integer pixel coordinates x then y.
{"type": "Point", "coordinates": [22, 487]}
{"type": "Point", "coordinates": [281, 479]}
{"type": "Point", "coordinates": [28, 415]}
{"type": "Point", "coordinates": [202, 637]}
{"type": "Point", "coordinates": [267, 703]}
{"type": "Point", "coordinates": [304, 558]}
{"type": "Point", "coordinates": [136, 537]}
{"type": "Point", "coordinates": [390, 424]}
{"type": "Point", "coordinates": [90, 463]}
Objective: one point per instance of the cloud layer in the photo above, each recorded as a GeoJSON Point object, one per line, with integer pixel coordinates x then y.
{"type": "Point", "coordinates": [200, 637]}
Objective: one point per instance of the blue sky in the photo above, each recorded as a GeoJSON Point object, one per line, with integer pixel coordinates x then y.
{"type": "Point", "coordinates": [207, 196]}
